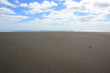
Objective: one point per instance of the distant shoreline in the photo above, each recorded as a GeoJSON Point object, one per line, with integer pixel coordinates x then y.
{"type": "Point", "coordinates": [54, 31]}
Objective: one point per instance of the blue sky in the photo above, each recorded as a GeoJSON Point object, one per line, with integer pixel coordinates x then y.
{"type": "Point", "coordinates": [54, 15]}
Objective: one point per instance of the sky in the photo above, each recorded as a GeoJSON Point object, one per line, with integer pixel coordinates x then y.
{"type": "Point", "coordinates": [54, 15]}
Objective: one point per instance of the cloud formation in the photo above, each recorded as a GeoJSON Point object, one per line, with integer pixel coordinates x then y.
{"type": "Point", "coordinates": [5, 2]}
{"type": "Point", "coordinates": [58, 15]}
{"type": "Point", "coordinates": [35, 7]}
{"type": "Point", "coordinates": [5, 10]}
{"type": "Point", "coordinates": [16, 1]}
{"type": "Point", "coordinates": [93, 6]}
{"type": "Point", "coordinates": [11, 18]}
{"type": "Point", "coordinates": [23, 5]}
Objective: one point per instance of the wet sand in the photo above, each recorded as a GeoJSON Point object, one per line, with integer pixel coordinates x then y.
{"type": "Point", "coordinates": [54, 52]}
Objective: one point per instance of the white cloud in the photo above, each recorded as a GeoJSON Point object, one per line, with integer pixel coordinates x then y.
{"type": "Point", "coordinates": [97, 9]}
{"type": "Point", "coordinates": [64, 19]}
{"type": "Point", "coordinates": [107, 14]}
{"type": "Point", "coordinates": [86, 6]}
{"type": "Point", "coordinates": [4, 10]}
{"type": "Point", "coordinates": [33, 11]}
{"type": "Point", "coordinates": [35, 7]}
{"type": "Point", "coordinates": [92, 6]}
{"type": "Point", "coordinates": [23, 5]}
{"type": "Point", "coordinates": [6, 19]}
{"type": "Point", "coordinates": [16, 1]}
{"type": "Point", "coordinates": [44, 5]}
{"type": "Point", "coordinates": [54, 4]}
{"type": "Point", "coordinates": [63, 14]}
{"type": "Point", "coordinates": [101, 3]}
{"type": "Point", "coordinates": [91, 18]}
{"type": "Point", "coordinates": [5, 2]}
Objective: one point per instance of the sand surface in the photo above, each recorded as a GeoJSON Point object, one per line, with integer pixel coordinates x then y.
{"type": "Point", "coordinates": [54, 52]}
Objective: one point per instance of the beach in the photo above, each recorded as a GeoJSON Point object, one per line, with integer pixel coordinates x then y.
{"type": "Point", "coordinates": [54, 52]}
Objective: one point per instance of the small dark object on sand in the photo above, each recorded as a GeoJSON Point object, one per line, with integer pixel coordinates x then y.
{"type": "Point", "coordinates": [90, 46]}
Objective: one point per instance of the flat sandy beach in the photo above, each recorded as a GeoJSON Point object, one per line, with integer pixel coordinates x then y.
{"type": "Point", "coordinates": [54, 52]}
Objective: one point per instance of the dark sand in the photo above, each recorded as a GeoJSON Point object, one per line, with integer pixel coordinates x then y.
{"type": "Point", "coordinates": [54, 52]}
